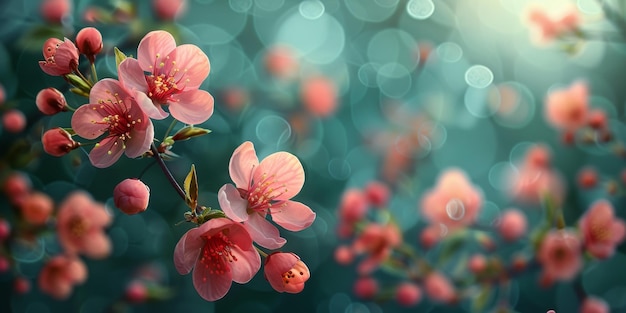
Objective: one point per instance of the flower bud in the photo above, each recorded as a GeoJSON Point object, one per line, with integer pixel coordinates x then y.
{"type": "Point", "coordinates": [344, 255]}
{"type": "Point", "coordinates": [21, 285]}
{"type": "Point", "coordinates": [14, 121]}
{"type": "Point", "coordinates": [50, 101]}
{"type": "Point", "coordinates": [286, 272]}
{"type": "Point", "coordinates": [89, 42]}
{"type": "Point", "coordinates": [512, 225]}
{"type": "Point", "coordinates": [37, 208]}
{"type": "Point", "coordinates": [188, 132]}
{"type": "Point", "coordinates": [4, 264]}
{"type": "Point", "coordinates": [5, 230]}
{"type": "Point", "coordinates": [3, 95]}
{"type": "Point", "coordinates": [587, 177]}
{"type": "Point", "coordinates": [58, 142]}
{"type": "Point", "coordinates": [365, 287]}
{"type": "Point", "coordinates": [408, 294]}
{"type": "Point", "coordinates": [597, 119]}
{"type": "Point", "coordinates": [54, 10]}
{"type": "Point", "coordinates": [377, 193]}
{"type": "Point", "coordinates": [16, 186]}
{"type": "Point", "coordinates": [136, 292]}
{"type": "Point", "coordinates": [168, 10]}
{"type": "Point", "coordinates": [131, 196]}
{"type": "Point", "coordinates": [477, 263]}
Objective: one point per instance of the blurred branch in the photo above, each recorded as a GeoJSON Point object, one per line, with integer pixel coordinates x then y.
{"type": "Point", "coordinates": [614, 17]}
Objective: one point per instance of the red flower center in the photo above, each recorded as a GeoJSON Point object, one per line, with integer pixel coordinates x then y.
{"type": "Point", "coordinates": [217, 253]}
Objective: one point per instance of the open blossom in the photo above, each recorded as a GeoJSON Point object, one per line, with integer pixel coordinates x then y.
{"type": "Point", "coordinates": [560, 255]}
{"type": "Point", "coordinates": [60, 57]}
{"type": "Point", "coordinates": [50, 101]}
{"type": "Point", "coordinates": [286, 272]}
{"type": "Point", "coordinates": [219, 251]}
{"type": "Point", "coordinates": [377, 241]}
{"type": "Point", "coordinates": [114, 112]}
{"type": "Point", "coordinates": [265, 188]}
{"type": "Point", "coordinates": [169, 75]}
{"type": "Point", "coordinates": [602, 231]}
{"type": "Point", "coordinates": [454, 201]}
{"type": "Point", "coordinates": [58, 142]}
{"type": "Point", "coordinates": [548, 27]}
{"type": "Point", "coordinates": [567, 109]}
{"type": "Point", "coordinates": [60, 274]}
{"type": "Point", "coordinates": [80, 226]}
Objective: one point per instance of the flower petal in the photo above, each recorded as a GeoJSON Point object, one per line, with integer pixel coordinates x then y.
{"type": "Point", "coordinates": [263, 232]}
{"type": "Point", "coordinates": [108, 90]}
{"type": "Point", "coordinates": [84, 122]}
{"type": "Point", "coordinates": [98, 246]}
{"type": "Point", "coordinates": [242, 164]}
{"type": "Point", "coordinates": [192, 107]}
{"type": "Point", "coordinates": [151, 109]}
{"type": "Point", "coordinates": [284, 173]}
{"type": "Point", "coordinates": [211, 286]}
{"type": "Point", "coordinates": [140, 140]}
{"type": "Point", "coordinates": [186, 252]}
{"type": "Point", "coordinates": [247, 265]}
{"type": "Point", "coordinates": [193, 64]}
{"type": "Point", "coordinates": [107, 152]}
{"type": "Point", "coordinates": [292, 215]}
{"type": "Point", "coordinates": [131, 75]}
{"type": "Point", "coordinates": [231, 202]}
{"type": "Point", "coordinates": [154, 46]}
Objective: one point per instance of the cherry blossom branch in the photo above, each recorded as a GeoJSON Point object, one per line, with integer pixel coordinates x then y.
{"type": "Point", "coordinates": [166, 171]}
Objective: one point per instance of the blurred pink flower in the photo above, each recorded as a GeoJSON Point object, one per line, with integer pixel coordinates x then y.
{"type": "Point", "coordinates": [21, 285]}
{"type": "Point", "coordinates": [219, 251]}
{"type": "Point", "coordinates": [477, 263]}
{"type": "Point", "coordinates": [265, 188]}
{"type": "Point", "coordinates": [5, 230]}
{"type": "Point", "coordinates": [60, 274]}
{"type": "Point", "coordinates": [453, 202]}
{"type": "Point", "coordinates": [512, 225]}
{"type": "Point", "coordinates": [14, 121]}
{"type": "Point", "coordinates": [601, 230]}
{"type": "Point", "coordinates": [593, 304]}
{"type": "Point", "coordinates": [54, 11]}
{"type": "Point", "coordinates": [173, 77]}
{"type": "Point", "coordinates": [136, 292]}
{"type": "Point", "coordinates": [281, 62]}
{"type": "Point", "coordinates": [560, 255]}
{"type": "Point", "coordinates": [36, 208]}
{"type": "Point", "coordinates": [431, 235]}
{"type": "Point", "coordinates": [534, 180]}
{"type": "Point", "coordinates": [60, 57]}
{"type": "Point", "coordinates": [439, 288]}
{"type": "Point", "coordinates": [286, 272]}
{"type": "Point", "coordinates": [3, 95]}
{"type": "Point", "coordinates": [587, 177]}
{"type": "Point", "coordinates": [377, 241]}
{"type": "Point", "coordinates": [596, 119]}
{"type": "Point", "coordinates": [58, 142]}
{"type": "Point", "coordinates": [567, 109]}
{"type": "Point", "coordinates": [408, 294]}
{"type": "Point", "coordinates": [377, 193]}
{"type": "Point", "coordinates": [547, 27]}
{"type": "Point", "coordinates": [16, 187]}
{"type": "Point", "coordinates": [80, 226]}
{"type": "Point", "coordinates": [365, 287]}
{"type": "Point", "coordinates": [319, 96]}
{"type": "Point", "coordinates": [353, 206]}
{"type": "Point", "coordinates": [89, 42]}
{"type": "Point", "coordinates": [112, 110]}
{"type": "Point", "coordinates": [344, 255]}
{"type": "Point", "coordinates": [131, 196]}
{"type": "Point", "coordinates": [169, 10]}
{"type": "Point", "coordinates": [50, 101]}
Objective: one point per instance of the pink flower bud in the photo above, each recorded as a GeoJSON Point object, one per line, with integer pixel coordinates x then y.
{"type": "Point", "coordinates": [21, 285]}
{"type": "Point", "coordinates": [519, 263]}
{"type": "Point", "coordinates": [587, 177]}
{"type": "Point", "coordinates": [54, 10]}
{"type": "Point", "coordinates": [592, 304]}
{"type": "Point", "coordinates": [439, 288]}
{"type": "Point", "coordinates": [430, 236]}
{"type": "Point", "coordinates": [281, 62]}
{"type": "Point", "coordinates": [365, 287]}
{"type": "Point", "coordinates": [131, 196]}
{"type": "Point", "coordinates": [286, 272]}
{"type": "Point", "coordinates": [5, 230]}
{"type": "Point", "coordinates": [377, 193]}
{"type": "Point", "coordinates": [512, 225]}
{"type": "Point", "coordinates": [408, 294]}
{"type": "Point", "coordinates": [58, 142]}
{"type": "Point", "coordinates": [17, 186]}
{"type": "Point", "coordinates": [344, 255]}
{"type": "Point", "coordinates": [169, 10]}
{"type": "Point", "coordinates": [136, 292]}
{"type": "Point", "coordinates": [50, 101]}
{"type": "Point", "coordinates": [89, 42]}
{"type": "Point", "coordinates": [60, 57]}
{"type": "Point", "coordinates": [4, 264]}
{"type": "Point", "coordinates": [319, 96]}
{"type": "Point", "coordinates": [37, 208]}
{"type": "Point", "coordinates": [477, 263]}
{"type": "Point", "coordinates": [14, 121]}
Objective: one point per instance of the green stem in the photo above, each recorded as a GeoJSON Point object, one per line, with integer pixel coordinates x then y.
{"type": "Point", "coordinates": [167, 172]}
{"type": "Point", "coordinates": [94, 74]}
{"type": "Point", "coordinates": [169, 129]}
{"type": "Point", "coordinates": [78, 72]}
{"type": "Point", "coordinates": [261, 252]}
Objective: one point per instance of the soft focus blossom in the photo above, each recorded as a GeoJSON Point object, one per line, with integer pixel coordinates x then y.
{"type": "Point", "coordinates": [16, 187]}
{"type": "Point", "coordinates": [14, 121]}
{"type": "Point", "coordinates": [601, 230]}
{"type": "Point", "coordinates": [36, 208]}
{"type": "Point", "coordinates": [281, 62]}
{"type": "Point", "coordinates": [113, 111]}
{"type": "Point", "coordinates": [454, 201]}
{"type": "Point", "coordinates": [377, 193]}
{"type": "Point", "coordinates": [235, 98]}
{"type": "Point", "coordinates": [55, 10]}
{"type": "Point", "coordinates": [439, 288]}
{"type": "Point", "coordinates": [265, 188]}
{"type": "Point", "coordinates": [377, 241]}
{"type": "Point", "coordinates": [597, 119]}
{"type": "Point", "coordinates": [5, 230]}
{"type": "Point", "coordinates": [365, 287]}
{"type": "Point", "coordinates": [535, 180]}
{"type": "Point", "coordinates": [169, 10]}
{"type": "Point", "coordinates": [352, 206]}
{"type": "Point", "coordinates": [560, 254]}
{"type": "Point", "coordinates": [5, 265]}
{"type": "Point", "coordinates": [60, 274]}
{"type": "Point", "coordinates": [512, 225]}
{"type": "Point", "coordinates": [3, 95]}
{"type": "Point", "coordinates": [60, 57]}
{"type": "Point", "coordinates": [21, 285]}
{"type": "Point", "coordinates": [548, 27]}
{"type": "Point", "coordinates": [319, 96]}
{"type": "Point", "coordinates": [567, 109]}
{"type": "Point", "coordinates": [593, 304]}
{"type": "Point", "coordinates": [58, 142]}
{"type": "Point", "coordinates": [344, 255]}
{"type": "Point", "coordinates": [136, 292]}
{"type": "Point", "coordinates": [89, 42]}
{"type": "Point", "coordinates": [80, 226]}
{"type": "Point", "coordinates": [408, 294]}
{"type": "Point", "coordinates": [587, 177]}
{"type": "Point", "coordinates": [286, 272]}
{"type": "Point", "coordinates": [477, 263]}
{"type": "Point", "coordinates": [50, 101]}
{"type": "Point", "coordinates": [169, 75]}
{"type": "Point", "coordinates": [219, 251]}
{"type": "Point", "coordinates": [431, 235]}
{"type": "Point", "coordinates": [131, 196]}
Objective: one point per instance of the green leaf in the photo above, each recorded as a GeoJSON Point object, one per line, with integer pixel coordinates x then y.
{"type": "Point", "coordinates": [79, 92]}
{"type": "Point", "coordinates": [119, 57]}
{"type": "Point", "coordinates": [191, 188]}
{"type": "Point", "coordinates": [78, 82]}
{"type": "Point", "coordinates": [189, 131]}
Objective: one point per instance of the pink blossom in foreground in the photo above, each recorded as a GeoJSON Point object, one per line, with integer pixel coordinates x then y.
{"type": "Point", "coordinates": [60, 57]}
{"type": "Point", "coordinates": [60, 274]}
{"type": "Point", "coordinates": [548, 27]}
{"type": "Point", "coordinates": [560, 255]}
{"type": "Point", "coordinates": [439, 288]}
{"type": "Point", "coordinates": [131, 196]}
{"type": "Point", "coordinates": [80, 226]}
{"type": "Point", "coordinates": [50, 101]}
{"type": "Point", "coordinates": [219, 251]}
{"type": "Point", "coordinates": [14, 121]}
{"type": "Point", "coordinates": [319, 96]}
{"type": "Point", "coordinates": [89, 42]}
{"type": "Point", "coordinates": [58, 142]}
{"type": "Point", "coordinates": [453, 202]}
{"type": "Point", "coordinates": [377, 241]}
{"type": "Point", "coordinates": [593, 304]}
{"type": "Point", "coordinates": [173, 77]}
{"type": "Point", "coordinates": [169, 10]}
{"type": "Point", "coordinates": [601, 230]}
{"type": "Point", "coordinates": [408, 294]}
{"type": "Point", "coordinates": [567, 109]}
{"type": "Point", "coordinates": [512, 225]}
{"type": "Point", "coordinates": [286, 272]}
{"type": "Point", "coordinates": [54, 11]}
{"type": "Point", "coordinates": [265, 188]}
{"type": "Point", "coordinates": [113, 111]}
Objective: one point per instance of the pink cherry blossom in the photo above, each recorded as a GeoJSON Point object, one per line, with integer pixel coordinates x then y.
{"type": "Point", "coordinates": [587, 177]}
{"type": "Point", "coordinates": [169, 10]}
{"type": "Point", "coordinates": [567, 109]}
{"type": "Point", "coordinates": [377, 241]}
{"type": "Point", "coordinates": [593, 304]}
{"type": "Point", "coordinates": [512, 225]}
{"type": "Point", "coordinates": [286, 272]}
{"type": "Point", "coordinates": [60, 274]}
{"type": "Point", "coordinates": [377, 193]}
{"type": "Point", "coordinates": [14, 121]}
{"type": "Point", "coordinates": [265, 188]}
{"type": "Point", "coordinates": [408, 294]}
{"type": "Point", "coordinates": [17, 186]}
{"type": "Point", "coordinates": [547, 26]}
{"type": "Point", "coordinates": [439, 288]}
{"type": "Point", "coordinates": [281, 62]}
{"type": "Point", "coordinates": [344, 255]}
{"type": "Point", "coordinates": [432, 234]}
{"type": "Point", "coordinates": [219, 251]}
{"type": "Point", "coordinates": [353, 206]}
{"type": "Point", "coordinates": [136, 292]}
{"type": "Point", "coordinates": [534, 179]}
{"type": "Point", "coordinates": [601, 230]}
{"type": "Point", "coordinates": [114, 112]}
{"type": "Point", "coordinates": [319, 96]}
{"type": "Point", "coordinates": [560, 255]}
{"type": "Point", "coordinates": [477, 263]}
{"type": "Point", "coordinates": [454, 202]}
{"type": "Point", "coordinates": [80, 226]}
{"type": "Point", "coordinates": [173, 77]}
{"type": "Point", "coordinates": [60, 57]}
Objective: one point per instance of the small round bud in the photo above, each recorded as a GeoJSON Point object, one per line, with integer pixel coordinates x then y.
{"type": "Point", "coordinates": [58, 142]}
{"type": "Point", "coordinates": [50, 101]}
{"type": "Point", "coordinates": [136, 292]}
{"type": "Point", "coordinates": [37, 208]}
{"type": "Point", "coordinates": [597, 119]}
{"type": "Point", "coordinates": [14, 121]}
{"type": "Point", "coordinates": [5, 229]}
{"type": "Point", "coordinates": [365, 287]}
{"type": "Point", "coordinates": [55, 10]}
{"type": "Point", "coordinates": [587, 177]}
{"type": "Point", "coordinates": [4, 265]}
{"type": "Point", "coordinates": [169, 10]}
{"type": "Point", "coordinates": [21, 285]}
{"type": "Point", "coordinates": [377, 193]}
{"type": "Point", "coordinates": [512, 225]}
{"type": "Point", "coordinates": [89, 42]}
{"type": "Point", "coordinates": [131, 196]}
{"type": "Point", "coordinates": [408, 294]}
{"type": "Point", "coordinates": [344, 255]}
{"type": "Point", "coordinates": [477, 263]}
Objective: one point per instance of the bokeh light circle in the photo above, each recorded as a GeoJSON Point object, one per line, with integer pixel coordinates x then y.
{"type": "Point", "coordinates": [479, 76]}
{"type": "Point", "coordinates": [420, 9]}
